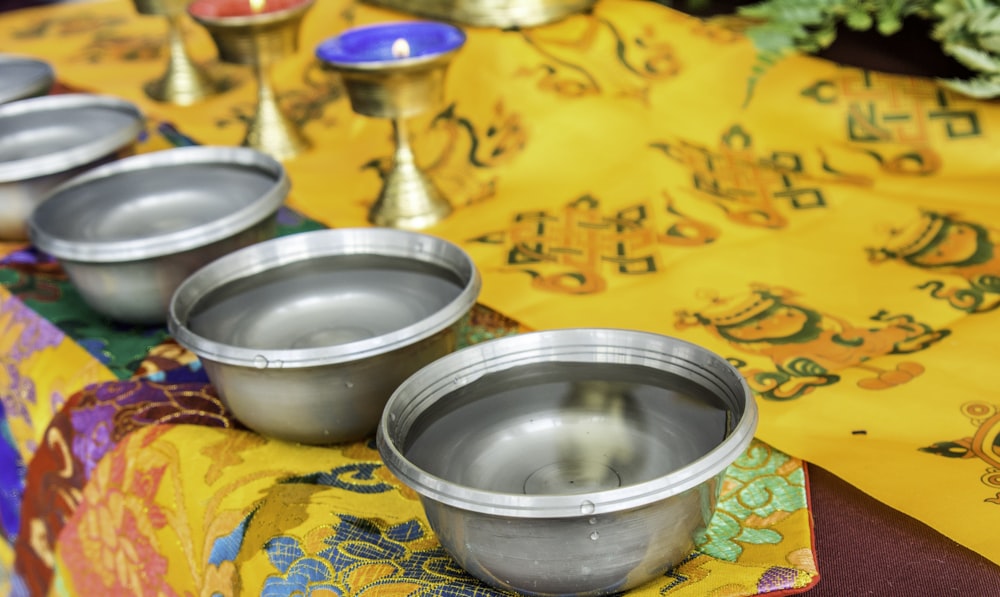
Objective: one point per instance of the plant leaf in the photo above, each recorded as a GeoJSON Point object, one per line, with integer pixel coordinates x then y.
{"type": "Point", "coordinates": [981, 87]}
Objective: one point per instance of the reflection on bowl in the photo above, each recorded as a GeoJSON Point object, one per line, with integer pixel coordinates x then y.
{"type": "Point", "coordinates": [129, 232]}
{"type": "Point", "coordinates": [305, 337]}
{"type": "Point", "coordinates": [45, 141]}
{"type": "Point", "coordinates": [576, 461]}
{"type": "Point", "coordinates": [22, 77]}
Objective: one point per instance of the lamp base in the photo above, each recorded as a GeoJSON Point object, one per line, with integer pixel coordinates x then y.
{"type": "Point", "coordinates": [408, 200]}
{"type": "Point", "coordinates": [182, 86]}
{"type": "Point", "coordinates": [184, 82]}
{"type": "Point", "coordinates": [271, 131]}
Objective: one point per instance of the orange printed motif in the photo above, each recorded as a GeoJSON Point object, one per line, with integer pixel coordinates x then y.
{"type": "Point", "coordinates": [891, 108]}
{"type": "Point", "coordinates": [808, 347]}
{"type": "Point", "coordinates": [983, 444]}
{"type": "Point", "coordinates": [752, 189]}
{"type": "Point", "coordinates": [565, 70]}
{"type": "Point", "coordinates": [945, 245]}
{"type": "Point", "coordinates": [85, 23]}
{"type": "Point", "coordinates": [570, 252]}
{"type": "Point", "coordinates": [113, 550]}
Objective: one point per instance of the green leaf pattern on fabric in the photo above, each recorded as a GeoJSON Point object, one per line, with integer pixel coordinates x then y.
{"type": "Point", "coordinates": [756, 489]}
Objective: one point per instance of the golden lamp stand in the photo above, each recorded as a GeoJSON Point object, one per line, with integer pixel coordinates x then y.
{"type": "Point", "coordinates": [397, 89]}
{"type": "Point", "coordinates": [184, 82]}
{"type": "Point", "coordinates": [260, 40]}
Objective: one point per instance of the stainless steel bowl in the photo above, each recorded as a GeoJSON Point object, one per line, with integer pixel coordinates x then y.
{"type": "Point", "coordinates": [504, 14]}
{"type": "Point", "coordinates": [45, 141]}
{"type": "Point", "coordinates": [576, 461]}
{"type": "Point", "coordinates": [22, 77]}
{"type": "Point", "coordinates": [128, 233]}
{"type": "Point", "coordinates": [305, 337]}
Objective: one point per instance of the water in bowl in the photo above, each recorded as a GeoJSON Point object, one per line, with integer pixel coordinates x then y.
{"type": "Point", "coordinates": [567, 428]}
{"type": "Point", "coordinates": [324, 301]}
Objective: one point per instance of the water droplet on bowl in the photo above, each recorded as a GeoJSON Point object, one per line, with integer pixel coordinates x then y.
{"type": "Point", "coordinates": [276, 364]}
{"type": "Point", "coordinates": [586, 507]}
{"type": "Point", "coordinates": [595, 536]}
{"type": "Point", "coordinates": [592, 521]}
{"type": "Point", "coordinates": [348, 384]}
{"type": "Point", "coordinates": [260, 361]}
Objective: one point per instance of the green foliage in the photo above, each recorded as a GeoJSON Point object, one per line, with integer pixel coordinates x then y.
{"type": "Point", "coordinates": [968, 30]}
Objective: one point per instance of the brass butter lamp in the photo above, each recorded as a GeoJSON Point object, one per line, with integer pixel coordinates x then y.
{"type": "Point", "coordinates": [259, 33]}
{"type": "Point", "coordinates": [184, 82]}
{"type": "Point", "coordinates": [396, 71]}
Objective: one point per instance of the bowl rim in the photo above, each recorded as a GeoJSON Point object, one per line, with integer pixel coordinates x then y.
{"type": "Point", "coordinates": [616, 346]}
{"type": "Point", "coordinates": [173, 242]}
{"type": "Point", "coordinates": [41, 79]}
{"type": "Point", "coordinates": [78, 155]}
{"type": "Point", "coordinates": [287, 250]}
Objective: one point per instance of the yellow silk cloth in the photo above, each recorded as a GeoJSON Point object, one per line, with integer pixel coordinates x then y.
{"type": "Point", "coordinates": [832, 231]}
{"type": "Point", "coordinates": [198, 493]}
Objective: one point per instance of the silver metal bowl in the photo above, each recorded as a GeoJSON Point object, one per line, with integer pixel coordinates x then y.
{"type": "Point", "coordinates": [129, 232]}
{"type": "Point", "coordinates": [305, 337]}
{"type": "Point", "coordinates": [504, 14]}
{"type": "Point", "coordinates": [45, 141]}
{"type": "Point", "coordinates": [22, 77]}
{"type": "Point", "coordinates": [575, 461]}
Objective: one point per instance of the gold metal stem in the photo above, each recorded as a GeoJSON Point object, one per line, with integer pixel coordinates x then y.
{"type": "Point", "coordinates": [404, 152]}
{"type": "Point", "coordinates": [408, 199]}
{"type": "Point", "coordinates": [269, 129]}
{"type": "Point", "coordinates": [184, 82]}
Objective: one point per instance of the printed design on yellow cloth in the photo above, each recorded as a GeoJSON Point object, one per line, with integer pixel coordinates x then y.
{"type": "Point", "coordinates": [347, 554]}
{"type": "Point", "coordinates": [68, 25]}
{"type": "Point", "coordinates": [893, 108]}
{"type": "Point", "coordinates": [361, 556]}
{"type": "Point", "coordinates": [983, 444]}
{"type": "Point", "coordinates": [808, 347]}
{"type": "Point", "coordinates": [114, 45]}
{"type": "Point", "coordinates": [366, 555]}
{"type": "Point", "coordinates": [302, 102]}
{"type": "Point", "coordinates": [572, 250]}
{"type": "Point", "coordinates": [947, 245]}
{"type": "Point", "coordinates": [189, 510]}
{"type": "Point", "coordinates": [460, 151]}
{"type": "Point", "coordinates": [753, 188]}
{"type": "Point", "coordinates": [572, 51]}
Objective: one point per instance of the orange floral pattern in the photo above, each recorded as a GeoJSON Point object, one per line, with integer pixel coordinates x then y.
{"type": "Point", "coordinates": [112, 550]}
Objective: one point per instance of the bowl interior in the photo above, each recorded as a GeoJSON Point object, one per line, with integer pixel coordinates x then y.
{"type": "Point", "coordinates": [32, 134]}
{"type": "Point", "coordinates": [138, 204]}
{"type": "Point", "coordinates": [23, 77]}
{"type": "Point", "coordinates": [566, 428]}
{"type": "Point", "coordinates": [324, 301]}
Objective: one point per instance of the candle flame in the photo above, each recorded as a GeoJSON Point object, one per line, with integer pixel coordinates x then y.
{"type": "Point", "coordinates": [257, 5]}
{"type": "Point", "coordinates": [400, 48]}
